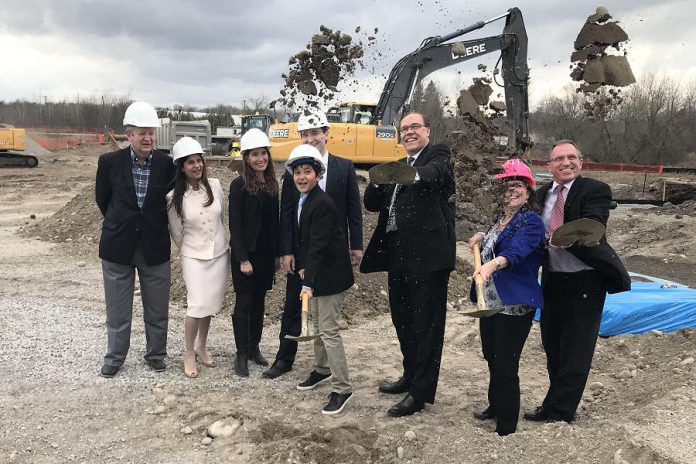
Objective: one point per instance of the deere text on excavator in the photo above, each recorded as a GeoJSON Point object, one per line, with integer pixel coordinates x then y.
{"type": "Point", "coordinates": [12, 144]}
{"type": "Point", "coordinates": [366, 133]}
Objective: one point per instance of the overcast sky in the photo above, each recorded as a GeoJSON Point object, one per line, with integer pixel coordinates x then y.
{"type": "Point", "coordinates": [205, 53]}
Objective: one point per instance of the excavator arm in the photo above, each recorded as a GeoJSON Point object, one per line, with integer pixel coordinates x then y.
{"type": "Point", "coordinates": [434, 54]}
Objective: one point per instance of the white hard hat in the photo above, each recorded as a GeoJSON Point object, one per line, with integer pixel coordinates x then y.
{"type": "Point", "coordinates": [313, 119]}
{"type": "Point", "coordinates": [304, 154]}
{"type": "Point", "coordinates": [254, 138]}
{"type": "Point", "coordinates": [141, 114]}
{"type": "Point", "coordinates": [184, 147]}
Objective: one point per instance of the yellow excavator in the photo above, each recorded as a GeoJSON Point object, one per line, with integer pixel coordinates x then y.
{"type": "Point", "coordinates": [366, 133]}
{"type": "Point", "coordinates": [12, 144]}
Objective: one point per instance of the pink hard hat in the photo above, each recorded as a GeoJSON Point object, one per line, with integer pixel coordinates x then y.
{"type": "Point", "coordinates": [515, 167]}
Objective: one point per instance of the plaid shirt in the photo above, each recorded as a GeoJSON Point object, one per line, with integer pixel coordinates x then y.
{"type": "Point", "coordinates": [141, 176]}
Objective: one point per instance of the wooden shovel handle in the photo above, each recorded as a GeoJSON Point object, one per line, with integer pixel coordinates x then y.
{"type": "Point", "coordinates": [480, 302]}
{"type": "Point", "coordinates": [305, 302]}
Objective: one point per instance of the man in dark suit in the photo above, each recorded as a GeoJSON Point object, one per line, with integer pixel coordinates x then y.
{"type": "Point", "coordinates": [415, 242]}
{"type": "Point", "coordinates": [575, 282]}
{"type": "Point", "coordinates": [130, 189]}
{"type": "Point", "coordinates": [341, 184]}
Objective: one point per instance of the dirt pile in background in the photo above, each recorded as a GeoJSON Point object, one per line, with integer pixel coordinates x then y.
{"type": "Point", "coordinates": [79, 223]}
{"type": "Point", "coordinates": [477, 197]}
{"type": "Point", "coordinates": [592, 65]}
{"type": "Point", "coordinates": [329, 57]}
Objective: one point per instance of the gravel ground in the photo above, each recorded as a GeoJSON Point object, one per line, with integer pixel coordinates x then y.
{"type": "Point", "coordinates": [55, 408]}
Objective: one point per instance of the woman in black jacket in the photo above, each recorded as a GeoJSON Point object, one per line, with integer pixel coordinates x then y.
{"type": "Point", "coordinates": [253, 216]}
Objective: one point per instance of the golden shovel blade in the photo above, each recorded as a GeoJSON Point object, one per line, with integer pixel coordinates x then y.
{"type": "Point", "coordinates": [482, 313]}
{"type": "Point", "coordinates": [393, 172]}
{"type": "Point", "coordinates": [303, 338]}
{"type": "Point", "coordinates": [585, 232]}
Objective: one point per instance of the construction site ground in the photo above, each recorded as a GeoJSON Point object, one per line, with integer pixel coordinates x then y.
{"type": "Point", "coordinates": [640, 406]}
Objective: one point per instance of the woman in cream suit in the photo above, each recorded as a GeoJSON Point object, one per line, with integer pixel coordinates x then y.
{"type": "Point", "coordinates": [196, 210]}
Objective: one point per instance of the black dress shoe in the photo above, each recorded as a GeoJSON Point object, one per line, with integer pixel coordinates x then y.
{"type": "Point", "coordinates": [241, 365]}
{"type": "Point", "coordinates": [538, 415]}
{"type": "Point", "coordinates": [278, 368]}
{"type": "Point", "coordinates": [542, 415]}
{"type": "Point", "coordinates": [406, 407]}
{"type": "Point", "coordinates": [486, 414]}
{"type": "Point", "coordinates": [394, 388]}
{"type": "Point", "coordinates": [156, 365]}
{"type": "Point", "coordinates": [109, 371]}
{"type": "Point", "coordinates": [256, 356]}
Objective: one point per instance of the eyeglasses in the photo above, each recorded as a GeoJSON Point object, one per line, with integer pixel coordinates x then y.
{"type": "Point", "coordinates": [413, 127]}
{"type": "Point", "coordinates": [515, 184]}
{"type": "Point", "coordinates": [560, 159]}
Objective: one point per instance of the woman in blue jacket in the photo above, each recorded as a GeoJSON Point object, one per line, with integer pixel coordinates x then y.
{"type": "Point", "coordinates": [511, 253]}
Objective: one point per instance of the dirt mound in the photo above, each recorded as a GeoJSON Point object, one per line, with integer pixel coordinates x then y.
{"type": "Point", "coordinates": [79, 223]}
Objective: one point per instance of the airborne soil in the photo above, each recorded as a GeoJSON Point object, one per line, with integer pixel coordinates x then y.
{"type": "Point", "coordinates": [640, 405]}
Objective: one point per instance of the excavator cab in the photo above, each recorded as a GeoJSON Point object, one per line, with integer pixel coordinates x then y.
{"type": "Point", "coordinates": [355, 113]}
{"type": "Point", "coordinates": [256, 121]}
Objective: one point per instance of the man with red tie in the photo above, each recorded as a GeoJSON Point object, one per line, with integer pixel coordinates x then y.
{"type": "Point", "coordinates": [575, 281]}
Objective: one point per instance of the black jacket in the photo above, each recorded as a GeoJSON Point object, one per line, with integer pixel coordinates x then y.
{"type": "Point", "coordinates": [124, 222]}
{"type": "Point", "coordinates": [342, 187]}
{"type": "Point", "coordinates": [424, 218]}
{"type": "Point", "coordinates": [245, 215]}
{"type": "Point", "coordinates": [590, 198]}
{"type": "Point", "coordinates": [321, 247]}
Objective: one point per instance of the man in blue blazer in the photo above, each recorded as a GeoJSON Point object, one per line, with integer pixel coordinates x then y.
{"type": "Point", "coordinates": [341, 184]}
{"type": "Point", "coordinates": [575, 282]}
{"type": "Point", "coordinates": [414, 241]}
{"type": "Point", "coordinates": [131, 186]}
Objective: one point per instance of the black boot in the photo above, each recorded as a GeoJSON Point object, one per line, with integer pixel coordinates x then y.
{"type": "Point", "coordinates": [256, 356]}
{"type": "Point", "coordinates": [241, 364]}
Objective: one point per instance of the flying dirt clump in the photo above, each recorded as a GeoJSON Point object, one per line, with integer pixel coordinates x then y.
{"type": "Point", "coordinates": [315, 72]}
{"type": "Point", "coordinates": [593, 66]}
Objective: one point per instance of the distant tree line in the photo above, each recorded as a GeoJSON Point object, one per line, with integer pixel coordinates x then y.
{"type": "Point", "coordinates": [651, 122]}
{"type": "Point", "coordinates": [99, 113]}
{"type": "Point", "coordinates": [86, 114]}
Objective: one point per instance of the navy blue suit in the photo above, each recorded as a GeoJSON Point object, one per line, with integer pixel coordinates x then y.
{"type": "Point", "coordinates": [342, 188]}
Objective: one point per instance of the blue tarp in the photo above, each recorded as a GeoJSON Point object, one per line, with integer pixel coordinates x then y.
{"type": "Point", "coordinates": [654, 305]}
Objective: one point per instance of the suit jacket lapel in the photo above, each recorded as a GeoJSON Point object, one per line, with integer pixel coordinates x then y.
{"type": "Point", "coordinates": [573, 193]}
{"type": "Point", "coordinates": [306, 204]}
{"type": "Point", "coordinates": [422, 158]}
{"type": "Point", "coordinates": [154, 165]}
{"type": "Point", "coordinates": [127, 166]}
{"type": "Point", "coordinates": [541, 194]}
{"type": "Point", "coordinates": [331, 173]}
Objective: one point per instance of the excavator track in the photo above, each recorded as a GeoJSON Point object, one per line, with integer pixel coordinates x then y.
{"type": "Point", "coordinates": [16, 160]}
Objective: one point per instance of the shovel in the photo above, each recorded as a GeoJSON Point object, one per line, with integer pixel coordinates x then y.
{"type": "Point", "coordinates": [393, 172]}
{"type": "Point", "coordinates": [584, 232]}
{"type": "Point", "coordinates": [481, 310]}
{"type": "Point", "coordinates": [304, 335]}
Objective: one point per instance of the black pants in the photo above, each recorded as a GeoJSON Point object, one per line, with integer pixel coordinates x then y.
{"type": "Point", "coordinates": [291, 321]}
{"type": "Point", "coordinates": [573, 304]}
{"type": "Point", "coordinates": [418, 306]}
{"type": "Point", "coordinates": [247, 319]}
{"type": "Point", "coordinates": [502, 340]}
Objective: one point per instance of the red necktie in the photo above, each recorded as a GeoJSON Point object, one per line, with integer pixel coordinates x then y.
{"type": "Point", "coordinates": [557, 210]}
